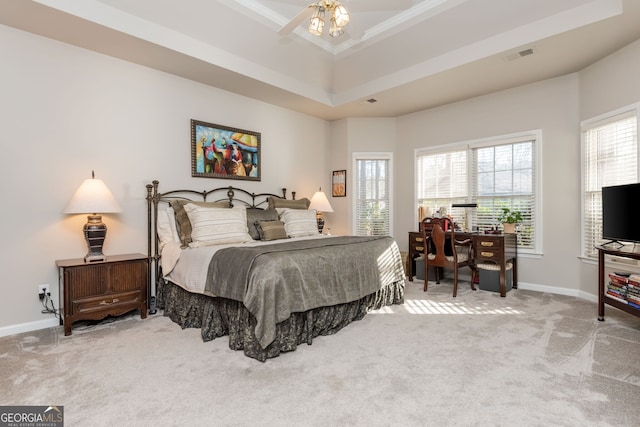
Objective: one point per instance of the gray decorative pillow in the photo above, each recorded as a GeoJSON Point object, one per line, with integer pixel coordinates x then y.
{"type": "Point", "coordinates": [182, 219]}
{"type": "Point", "coordinates": [257, 214]}
{"type": "Point", "coordinates": [276, 202]}
{"type": "Point", "coordinates": [271, 230]}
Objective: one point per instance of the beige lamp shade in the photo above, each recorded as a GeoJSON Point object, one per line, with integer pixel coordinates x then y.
{"type": "Point", "coordinates": [93, 196]}
{"type": "Point", "coordinates": [320, 203]}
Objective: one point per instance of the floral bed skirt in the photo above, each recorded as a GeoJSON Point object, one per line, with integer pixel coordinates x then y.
{"type": "Point", "coordinates": [217, 317]}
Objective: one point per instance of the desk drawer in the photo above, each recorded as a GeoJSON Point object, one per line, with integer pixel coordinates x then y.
{"type": "Point", "coordinates": [489, 248]}
{"type": "Point", "coordinates": [416, 243]}
{"type": "Point", "coordinates": [484, 255]}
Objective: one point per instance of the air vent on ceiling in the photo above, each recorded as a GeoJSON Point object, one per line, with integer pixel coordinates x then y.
{"type": "Point", "coordinates": [520, 54]}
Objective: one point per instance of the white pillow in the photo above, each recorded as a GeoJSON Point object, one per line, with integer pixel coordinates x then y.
{"type": "Point", "coordinates": [299, 222]}
{"type": "Point", "coordinates": [215, 226]}
{"type": "Point", "coordinates": [167, 231]}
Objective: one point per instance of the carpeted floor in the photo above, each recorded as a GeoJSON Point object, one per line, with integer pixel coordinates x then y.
{"type": "Point", "coordinates": [530, 359]}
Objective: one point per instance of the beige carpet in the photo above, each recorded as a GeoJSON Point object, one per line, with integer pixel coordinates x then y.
{"type": "Point", "coordinates": [529, 359]}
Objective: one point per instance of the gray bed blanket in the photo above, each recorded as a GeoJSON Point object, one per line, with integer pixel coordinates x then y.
{"type": "Point", "coordinates": [273, 281]}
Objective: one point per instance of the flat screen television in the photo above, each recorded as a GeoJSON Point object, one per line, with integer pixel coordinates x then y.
{"type": "Point", "coordinates": [620, 217]}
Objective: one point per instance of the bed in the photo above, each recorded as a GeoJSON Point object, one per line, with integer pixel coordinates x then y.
{"type": "Point", "coordinates": [253, 267]}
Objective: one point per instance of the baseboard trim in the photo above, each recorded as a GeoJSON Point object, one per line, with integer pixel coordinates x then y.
{"type": "Point", "coordinates": [558, 291]}
{"type": "Point", "coordinates": [28, 327]}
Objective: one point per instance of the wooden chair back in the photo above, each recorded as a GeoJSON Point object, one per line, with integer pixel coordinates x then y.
{"type": "Point", "coordinates": [440, 250]}
{"type": "Point", "coordinates": [435, 238]}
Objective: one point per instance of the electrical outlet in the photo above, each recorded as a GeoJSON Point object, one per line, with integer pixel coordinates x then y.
{"type": "Point", "coordinates": [43, 290]}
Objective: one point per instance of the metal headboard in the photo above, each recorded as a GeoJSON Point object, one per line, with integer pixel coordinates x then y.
{"type": "Point", "coordinates": [234, 195]}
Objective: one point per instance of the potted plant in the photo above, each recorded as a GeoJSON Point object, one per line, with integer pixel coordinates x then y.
{"type": "Point", "coordinates": [509, 219]}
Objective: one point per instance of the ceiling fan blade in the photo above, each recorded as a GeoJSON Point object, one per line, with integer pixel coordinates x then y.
{"type": "Point", "coordinates": [376, 5]}
{"type": "Point", "coordinates": [297, 20]}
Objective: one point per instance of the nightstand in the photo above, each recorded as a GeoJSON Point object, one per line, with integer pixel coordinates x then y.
{"type": "Point", "coordinates": [95, 290]}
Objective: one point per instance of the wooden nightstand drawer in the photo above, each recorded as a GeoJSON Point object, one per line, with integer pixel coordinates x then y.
{"type": "Point", "coordinates": [95, 290]}
{"type": "Point", "coordinates": [111, 304]}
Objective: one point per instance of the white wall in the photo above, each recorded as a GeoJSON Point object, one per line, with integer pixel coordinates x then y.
{"type": "Point", "coordinates": [65, 111]}
{"type": "Point", "coordinates": [611, 83]}
{"type": "Point", "coordinates": [347, 137]}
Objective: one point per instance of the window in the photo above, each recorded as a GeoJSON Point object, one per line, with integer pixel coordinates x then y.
{"type": "Point", "coordinates": [372, 189]}
{"type": "Point", "coordinates": [610, 157]}
{"type": "Point", "coordinates": [495, 173]}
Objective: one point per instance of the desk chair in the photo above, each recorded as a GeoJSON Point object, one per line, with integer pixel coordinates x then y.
{"type": "Point", "coordinates": [441, 249]}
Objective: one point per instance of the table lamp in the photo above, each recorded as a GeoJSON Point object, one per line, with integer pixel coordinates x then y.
{"type": "Point", "coordinates": [320, 203]}
{"type": "Point", "coordinates": [93, 198]}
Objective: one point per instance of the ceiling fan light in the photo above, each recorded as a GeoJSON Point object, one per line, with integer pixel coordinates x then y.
{"type": "Point", "coordinates": [335, 31]}
{"type": "Point", "coordinates": [341, 15]}
{"type": "Point", "coordinates": [316, 23]}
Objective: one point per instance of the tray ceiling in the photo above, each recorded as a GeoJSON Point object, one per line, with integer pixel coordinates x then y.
{"type": "Point", "coordinates": [407, 55]}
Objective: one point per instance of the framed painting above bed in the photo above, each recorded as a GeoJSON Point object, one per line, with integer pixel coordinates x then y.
{"type": "Point", "coordinates": [224, 152]}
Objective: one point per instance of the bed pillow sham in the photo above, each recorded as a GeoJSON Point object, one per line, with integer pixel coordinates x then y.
{"type": "Point", "coordinates": [257, 214]}
{"type": "Point", "coordinates": [298, 222]}
{"type": "Point", "coordinates": [271, 230]}
{"type": "Point", "coordinates": [215, 226]}
{"type": "Point", "coordinates": [275, 203]}
{"type": "Point", "coordinates": [183, 225]}
{"type": "Point", "coordinates": [167, 231]}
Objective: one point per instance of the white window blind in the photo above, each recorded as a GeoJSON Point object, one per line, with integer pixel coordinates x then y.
{"type": "Point", "coordinates": [503, 176]}
{"type": "Point", "coordinates": [494, 173]}
{"type": "Point", "coordinates": [442, 181]}
{"type": "Point", "coordinates": [373, 197]}
{"type": "Point", "coordinates": [610, 150]}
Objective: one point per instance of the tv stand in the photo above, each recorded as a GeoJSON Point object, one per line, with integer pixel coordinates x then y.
{"type": "Point", "coordinates": [602, 292]}
{"type": "Point", "coordinates": [617, 245]}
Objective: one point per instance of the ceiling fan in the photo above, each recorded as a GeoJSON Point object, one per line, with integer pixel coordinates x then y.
{"type": "Point", "coordinates": [338, 15]}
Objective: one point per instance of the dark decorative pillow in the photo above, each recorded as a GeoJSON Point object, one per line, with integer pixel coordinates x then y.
{"type": "Point", "coordinates": [257, 214]}
{"type": "Point", "coordinates": [275, 202]}
{"type": "Point", "coordinates": [271, 230]}
{"type": "Point", "coordinates": [182, 219]}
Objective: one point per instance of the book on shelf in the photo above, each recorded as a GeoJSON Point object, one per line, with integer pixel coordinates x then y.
{"type": "Point", "coordinates": [633, 284]}
{"type": "Point", "coordinates": [617, 288]}
{"type": "Point", "coordinates": [616, 297]}
{"type": "Point", "coordinates": [619, 280]}
{"type": "Point", "coordinates": [633, 304]}
{"type": "Point", "coordinates": [633, 298]}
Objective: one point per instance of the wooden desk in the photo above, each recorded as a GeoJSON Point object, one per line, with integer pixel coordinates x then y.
{"type": "Point", "coordinates": [495, 248]}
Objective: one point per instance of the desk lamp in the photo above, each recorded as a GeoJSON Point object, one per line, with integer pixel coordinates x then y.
{"type": "Point", "coordinates": [467, 217]}
{"type": "Point", "coordinates": [320, 203]}
{"type": "Point", "coordinates": [93, 198]}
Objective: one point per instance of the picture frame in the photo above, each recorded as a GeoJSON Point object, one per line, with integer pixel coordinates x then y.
{"type": "Point", "coordinates": [339, 183]}
{"type": "Point", "coordinates": [224, 152]}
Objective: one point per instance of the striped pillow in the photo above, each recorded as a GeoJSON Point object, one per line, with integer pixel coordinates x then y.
{"type": "Point", "coordinates": [271, 230]}
{"type": "Point", "coordinates": [215, 226]}
{"type": "Point", "coordinates": [299, 222]}
{"type": "Point", "coordinates": [182, 220]}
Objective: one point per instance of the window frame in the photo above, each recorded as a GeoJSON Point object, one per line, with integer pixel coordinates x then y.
{"type": "Point", "coordinates": [377, 155]}
{"type": "Point", "coordinates": [586, 125]}
{"type": "Point", "coordinates": [536, 135]}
